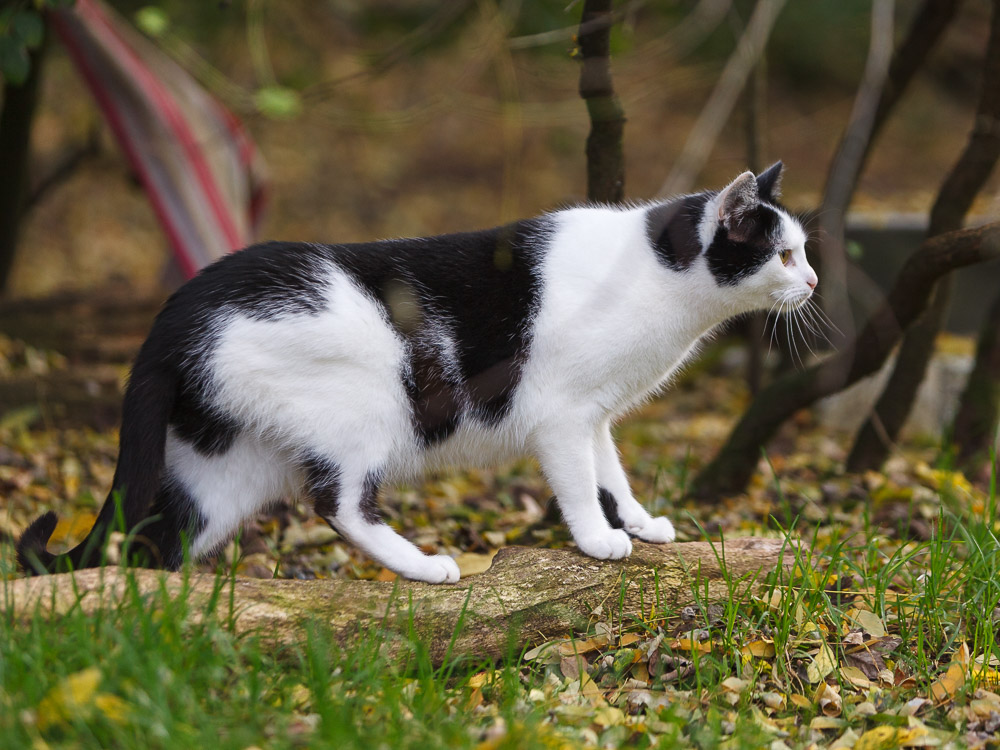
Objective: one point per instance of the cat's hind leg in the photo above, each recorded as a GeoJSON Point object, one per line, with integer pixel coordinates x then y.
{"type": "Point", "coordinates": [620, 506]}
{"type": "Point", "coordinates": [566, 455]}
{"type": "Point", "coordinates": [348, 500]}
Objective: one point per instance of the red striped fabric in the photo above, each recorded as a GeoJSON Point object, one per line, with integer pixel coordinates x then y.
{"type": "Point", "coordinates": [195, 160]}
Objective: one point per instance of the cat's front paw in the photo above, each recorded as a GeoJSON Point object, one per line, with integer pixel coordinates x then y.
{"type": "Point", "coordinates": [434, 569]}
{"type": "Point", "coordinates": [658, 530]}
{"type": "Point", "coordinates": [613, 544]}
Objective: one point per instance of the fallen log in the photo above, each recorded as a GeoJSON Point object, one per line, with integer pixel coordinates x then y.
{"type": "Point", "coordinates": [527, 596]}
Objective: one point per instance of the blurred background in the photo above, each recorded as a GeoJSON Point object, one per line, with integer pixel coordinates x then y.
{"type": "Point", "coordinates": [395, 118]}
{"type": "Point", "coordinates": [412, 117]}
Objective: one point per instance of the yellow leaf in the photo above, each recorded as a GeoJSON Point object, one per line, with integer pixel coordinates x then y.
{"type": "Point", "coordinates": [828, 700]}
{"type": "Point", "coordinates": [478, 679]}
{"type": "Point", "coordinates": [609, 716]}
{"type": "Point", "coordinates": [687, 644]}
{"type": "Point", "coordinates": [761, 649]}
{"type": "Point", "coordinates": [471, 563]}
{"type": "Point", "coordinates": [821, 665]}
{"type": "Point", "coordinates": [113, 707]}
{"type": "Point", "coordinates": [870, 622]}
{"type": "Point", "coordinates": [800, 700]}
{"type": "Point", "coordinates": [569, 648]}
{"type": "Point", "coordinates": [826, 722]}
{"type": "Point", "coordinates": [884, 738]}
{"type": "Point", "coordinates": [71, 698]}
{"type": "Point", "coordinates": [945, 686]}
{"type": "Point", "coordinates": [856, 677]}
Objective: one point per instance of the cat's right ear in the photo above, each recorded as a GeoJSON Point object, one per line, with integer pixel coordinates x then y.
{"type": "Point", "coordinates": [737, 198]}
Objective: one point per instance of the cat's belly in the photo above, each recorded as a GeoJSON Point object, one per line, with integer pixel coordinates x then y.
{"type": "Point", "coordinates": [472, 445]}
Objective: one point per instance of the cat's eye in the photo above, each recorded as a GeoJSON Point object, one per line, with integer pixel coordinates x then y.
{"type": "Point", "coordinates": [785, 255]}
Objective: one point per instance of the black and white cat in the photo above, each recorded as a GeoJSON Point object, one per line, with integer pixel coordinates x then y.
{"type": "Point", "coordinates": [330, 370]}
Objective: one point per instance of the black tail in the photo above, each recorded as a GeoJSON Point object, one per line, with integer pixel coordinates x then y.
{"type": "Point", "coordinates": [149, 400]}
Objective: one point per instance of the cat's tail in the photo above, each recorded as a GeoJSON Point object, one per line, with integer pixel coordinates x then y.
{"type": "Point", "coordinates": [149, 400]}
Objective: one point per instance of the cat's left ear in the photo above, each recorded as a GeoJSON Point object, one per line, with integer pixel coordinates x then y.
{"type": "Point", "coordinates": [769, 182]}
{"type": "Point", "coordinates": [737, 199]}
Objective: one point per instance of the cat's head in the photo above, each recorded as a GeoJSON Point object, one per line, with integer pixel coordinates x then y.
{"type": "Point", "coordinates": [753, 248]}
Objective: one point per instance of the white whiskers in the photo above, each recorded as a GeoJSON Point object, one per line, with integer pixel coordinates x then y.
{"type": "Point", "coordinates": [804, 320]}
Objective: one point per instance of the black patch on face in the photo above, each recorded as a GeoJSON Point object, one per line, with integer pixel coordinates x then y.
{"type": "Point", "coordinates": [672, 229]}
{"type": "Point", "coordinates": [369, 498]}
{"type": "Point", "coordinates": [322, 485]}
{"type": "Point", "coordinates": [744, 249]}
{"type": "Point", "coordinates": [210, 432]}
{"type": "Point", "coordinates": [610, 507]}
{"type": "Point", "coordinates": [174, 518]}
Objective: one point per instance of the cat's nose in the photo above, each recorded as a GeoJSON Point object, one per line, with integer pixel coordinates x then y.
{"type": "Point", "coordinates": [811, 283]}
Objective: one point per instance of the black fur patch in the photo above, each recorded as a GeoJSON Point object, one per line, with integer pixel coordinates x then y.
{"type": "Point", "coordinates": [369, 499]}
{"type": "Point", "coordinates": [482, 290]}
{"type": "Point", "coordinates": [672, 229]}
{"type": "Point", "coordinates": [323, 485]}
{"type": "Point", "coordinates": [174, 518]}
{"type": "Point", "coordinates": [743, 249]}
{"type": "Point", "coordinates": [610, 507]}
{"type": "Point", "coordinates": [210, 432]}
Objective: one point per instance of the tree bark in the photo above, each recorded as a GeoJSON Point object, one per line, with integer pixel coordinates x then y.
{"type": "Point", "coordinates": [717, 109]}
{"type": "Point", "coordinates": [605, 149]}
{"type": "Point", "coordinates": [954, 200]}
{"type": "Point", "coordinates": [927, 28]}
{"type": "Point", "coordinates": [19, 103]}
{"type": "Point", "coordinates": [845, 168]}
{"type": "Point", "coordinates": [528, 596]}
{"type": "Point", "coordinates": [975, 427]}
{"type": "Point", "coordinates": [731, 469]}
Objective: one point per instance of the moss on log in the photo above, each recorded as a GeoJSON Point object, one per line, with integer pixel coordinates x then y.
{"type": "Point", "coordinates": [527, 596]}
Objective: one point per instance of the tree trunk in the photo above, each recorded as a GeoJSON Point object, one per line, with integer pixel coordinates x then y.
{"type": "Point", "coordinates": [845, 168]}
{"type": "Point", "coordinates": [975, 427]}
{"type": "Point", "coordinates": [19, 103]}
{"type": "Point", "coordinates": [852, 152]}
{"type": "Point", "coordinates": [731, 469]}
{"type": "Point", "coordinates": [605, 149]}
{"type": "Point", "coordinates": [528, 596]}
{"type": "Point", "coordinates": [954, 200]}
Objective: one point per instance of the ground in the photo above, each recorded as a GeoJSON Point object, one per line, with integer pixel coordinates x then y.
{"type": "Point", "coordinates": [881, 634]}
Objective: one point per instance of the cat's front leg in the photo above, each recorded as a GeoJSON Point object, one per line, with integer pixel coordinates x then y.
{"type": "Point", "coordinates": [617, 495]}
{"type": "Point", "coordinates": [566, 455]}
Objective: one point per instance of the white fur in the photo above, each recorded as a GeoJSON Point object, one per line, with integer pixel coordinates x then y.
{"type": "Point", "coordinates": [613, 325]}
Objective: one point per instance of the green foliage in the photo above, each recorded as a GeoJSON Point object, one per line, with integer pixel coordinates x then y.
{"type": "Point", "coordinates": [21, 30]}
{"type": "Point", "coordinates": [152, 20]}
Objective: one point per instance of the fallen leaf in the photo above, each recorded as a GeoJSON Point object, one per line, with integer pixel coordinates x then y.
{"type": "Point", "coordinates": [760, 649]}
{"type": "Point", "coordinates": [868, 621]}
{"type": "Point", "coordinates": [471, 563]}
{"type": "Point", "coordinates": [856, 677]}
{"type": "Point", "coordinates": [828, 699]}
{"type": "Point", "coordinates": [822, 664]}
{"type": "Point", "coordinates": [883, 738]}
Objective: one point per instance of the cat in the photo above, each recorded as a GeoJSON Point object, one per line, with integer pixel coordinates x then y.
{"type": "Point", "coordinates": [329, 370]}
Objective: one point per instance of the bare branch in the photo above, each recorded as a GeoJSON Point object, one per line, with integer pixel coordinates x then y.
{"type": "Point", "coordinates": [959, 190]}
{"type": "Point", "coordinates": [846, 167]}
{"type": "Point", "coordinates": [527, 597]}
{"type": "Point", "coordinates": [720, 104]}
